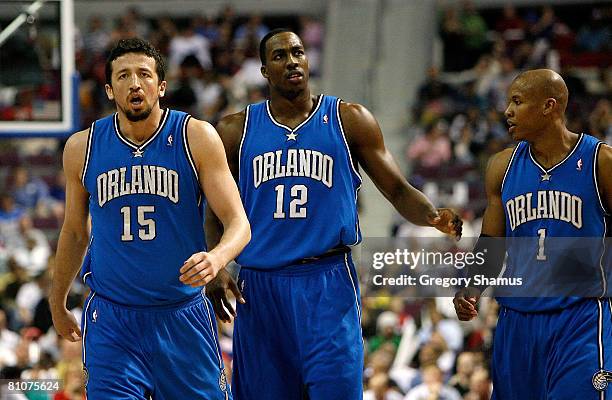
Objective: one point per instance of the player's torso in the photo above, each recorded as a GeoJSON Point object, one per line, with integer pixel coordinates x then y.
{"type": "Point", "coordinates": [147, 212]}
{"type": "Point", "coordinates": [553, 215]}
{"type": "Point", "coordinates": [299, 186]}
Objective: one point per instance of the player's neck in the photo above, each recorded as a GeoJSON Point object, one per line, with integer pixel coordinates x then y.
{"type": "Point", "coordinates": [553, 146]}
{"type": "Point", "coordinates": [139, 131]}
{"type": "Point", "coordinates": [283, 107]}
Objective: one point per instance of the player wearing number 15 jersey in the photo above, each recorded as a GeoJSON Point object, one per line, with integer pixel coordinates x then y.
{"type": "Point", "coordinates": [296, 157]}
{"type": "Point", "coordinates": [550, 196]}
{"type": "Point", "coordinates": [145, 175]}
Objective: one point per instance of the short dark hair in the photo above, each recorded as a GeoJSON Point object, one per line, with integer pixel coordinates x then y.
{"type": "Point", "coordinates": [264, 40]}
{"type": "Point", "coordinates": [135, 45]}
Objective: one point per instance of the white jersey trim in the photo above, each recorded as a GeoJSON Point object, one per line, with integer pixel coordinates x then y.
{"type": "Point", "coordinates": [603, 208]}
{"type": "Point", "coordinates": [86, 311]}
{"type": "Point", "coordinates": [509, 165]}
{"type": "Point", "coordinates": [87, 152]}
{"type": "Point", "coordinates": [353, 168]}
{"type": "Point", "coordinates": [212, 330]}
{"type": "Point", "coordinates": [244, 132]}
{"type": "Point", "coordinates": [312, 114]}
{"type": "Point", "coordinates": [186, 146]}
{"type": "Point", "coordinates": [560, 162]}
{"type": "Point", "coordinates": [134, 146]}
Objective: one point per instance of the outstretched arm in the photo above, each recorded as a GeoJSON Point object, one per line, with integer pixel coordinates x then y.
{"type": "Point", "coordinates": [493, 225]}
{"type": "Point", "coordinates": [368, 147]}
{"type": "Point", "coordinates": [72, 240]}
{"type": "Point", "coordinates": [220, 189]}
{"type": "Point", "coordinates": [230, 131]}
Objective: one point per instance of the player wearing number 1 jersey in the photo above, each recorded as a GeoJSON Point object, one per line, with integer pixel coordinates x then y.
{"type": "Point", "coordinates": [550, 196]}
{"type": "Point", "coordinates": [145, 175]}
{"type": "Point", "coordinates": [296, 158]}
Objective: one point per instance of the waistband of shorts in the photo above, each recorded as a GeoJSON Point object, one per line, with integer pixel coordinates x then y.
{"type": "Point", "coordinates": [308, 266]}
{"type": "Point", "coordinates": [195, 299]}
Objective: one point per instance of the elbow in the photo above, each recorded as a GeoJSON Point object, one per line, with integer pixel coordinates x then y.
{"type": "Point", "coordinates": [247, 231]}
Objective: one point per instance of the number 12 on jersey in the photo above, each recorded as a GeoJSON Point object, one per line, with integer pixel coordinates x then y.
{"type": "Point", "coordinates": [299, 197]}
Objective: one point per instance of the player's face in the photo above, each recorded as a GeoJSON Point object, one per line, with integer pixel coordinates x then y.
{"type": "Point", "coordinates": [286, 66]}
{"type": "Point", "coordinates": [135, 86]}
{"type": "Point", "coordinates": [524, 113]}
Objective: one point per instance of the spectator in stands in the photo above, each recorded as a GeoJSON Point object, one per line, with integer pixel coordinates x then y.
{"type": "Point", "coordinates": [433, 387]}
{"type": "Point", "coordinates": [387, 328]}
{"type": "Point", "coordinates": [474, 29]}
{"type": "Point", "coordinates": [186, 43]}
{"type": "Point", "coordinates": [511, 27]}
{"type": "Point", "coordinates": [30, 192]}
{"type": "Point", "coordinates": [465, 368]}
{"type": "Point", "coordinates": [10, 215]}
{"type": "Point", "coordinates": [34, 251]}
{"type": "Point", "coordinates": [207, 27]}
{"type": "Point", "coordinates": [451, 33]}
{"type": "Point", "coordinates": [252, 30]}
{"type": "Point", "coordinates": [379, 388]}
{"type": "Point", "coordinates": [8, 342]}
{"type": "Point", "coordinates": [594, 36]}
{"type": "Point", "coordinates": [97, 37]}
{"type": "Point", "coordinates": [480, 385]}
{"type": "Point", "coordinates": [73, 388]}
{"type": "Point", "coordinates": [431, 150]}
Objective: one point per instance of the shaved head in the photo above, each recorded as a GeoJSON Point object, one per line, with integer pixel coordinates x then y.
{"type": "Point", "coordinates": [543, 84]}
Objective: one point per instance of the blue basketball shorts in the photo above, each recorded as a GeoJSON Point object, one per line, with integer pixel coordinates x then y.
{"type": "Point", "coordinates": [164, 353]}
{"type": "Point", "coordinates": [557, 355]}
{"type": "Point", "coordinates": [299, 334]}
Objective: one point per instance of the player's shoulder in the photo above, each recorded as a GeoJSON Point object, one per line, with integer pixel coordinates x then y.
{"type": "Point", "coordinates": [497, 166]}
{"type": "Point", "coordinates": [230, 129]}
{"type": "Point", "coordinates": [354, 111]}
{"type": "Point", "coordinates": [200, 132]}
{"type": "Point", "coordinates": [77, 142]}
{"type": "Point", "coordinates": [74, 151]}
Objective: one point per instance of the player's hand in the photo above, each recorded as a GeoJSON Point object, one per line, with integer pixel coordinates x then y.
{"type": "Point", "coordinates": [447, 221]}
{"type": "Point", "coordinates": [216, 291]}
{"type": "Point", "coordinates": [465, 303]}
{"type": "Point", "coordinates": [65, 324]}
{"type": "Point", "coordinates": [200, 268]}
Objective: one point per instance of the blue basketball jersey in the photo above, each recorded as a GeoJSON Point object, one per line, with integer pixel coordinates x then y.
{"type": "Point", "coordinates": [147, 212]}
{"type": "Point", "coordinates": [548, 207]}
{"type": "Point", "coordinates": [299, 186]}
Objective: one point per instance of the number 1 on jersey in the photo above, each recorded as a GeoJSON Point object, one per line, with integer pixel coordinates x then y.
{"type": "Point", "coordinates": [299, 194]}
{"type": "Point", "coordinates": [541, 256]}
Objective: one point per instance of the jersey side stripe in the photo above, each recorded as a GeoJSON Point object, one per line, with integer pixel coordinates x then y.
{"type": "Point", "coordinates": [244, 132]}
{"type": "Point", "coordinates": [87, 152]}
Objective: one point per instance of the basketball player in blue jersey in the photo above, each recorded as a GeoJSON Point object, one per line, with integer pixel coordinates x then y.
{"type": "Point", "coordinates": [296, 159]}
{"type": "Point", "coordinates": [145, 175]}
{"type": "Point", "coordinates": [554, 183]}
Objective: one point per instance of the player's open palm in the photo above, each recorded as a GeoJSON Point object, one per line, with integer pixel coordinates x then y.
{"type": "Point", "coordinates": [447, 221]}
{"type": "Point", "coordinates": [465, 303]}
{"type": "Point", "coordinates": [200, 268]}
{"type": "Point", "coordinates": [66, 324]}
{"type": "Point", "coordinates": [216, 291]}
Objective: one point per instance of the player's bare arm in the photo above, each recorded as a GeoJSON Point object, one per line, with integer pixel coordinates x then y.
{"type": "Point", "coordinates": [73, 238]}
{"type": "Point", "coordinates": [218, 185]}
{"type": "Point", "coordinates": [493, 225]}
{"type": "Point", "coordinates": [230, 131]}
{"type": "Point", "coordinates": [604, 166]}
{"type": "Point", "coordinates": [367, 145]}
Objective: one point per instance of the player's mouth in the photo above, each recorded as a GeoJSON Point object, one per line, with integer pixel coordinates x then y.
{"type": "Point", "coordinates": [511, 126]}
{"type": "Point", "coordinates": [295, 76]}
{"type": "Point", "coordinates": [136, 100]}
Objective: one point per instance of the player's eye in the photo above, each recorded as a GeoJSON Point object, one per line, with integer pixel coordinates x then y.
{"type": "Point", "coordinates": [299, 52]}
{"type": "Point", "coordinates": [276, 57]}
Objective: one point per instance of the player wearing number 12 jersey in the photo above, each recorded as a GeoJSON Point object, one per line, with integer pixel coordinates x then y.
{"type": "Point", "coordinates": [296, 158]}
{"type": "Point", "coordinates": [145, 175]}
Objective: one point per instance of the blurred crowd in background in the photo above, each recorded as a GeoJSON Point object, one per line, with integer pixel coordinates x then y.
{"type": "Point", "coordinates": [415, 348]}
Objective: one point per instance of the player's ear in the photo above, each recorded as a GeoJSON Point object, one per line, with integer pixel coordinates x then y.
{"type": "Point", "coordinates": [264, 72]}
{"type": "Point", "coordinates": [109, 92]}
{"type": "Point", "coordinates": [550, 106]}
{"type": "Point", "coordinates": [162, 88]}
